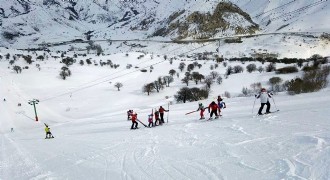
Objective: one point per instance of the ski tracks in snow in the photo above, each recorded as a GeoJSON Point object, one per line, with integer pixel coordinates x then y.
{"type": "Point", "coordinates": [15, 157]}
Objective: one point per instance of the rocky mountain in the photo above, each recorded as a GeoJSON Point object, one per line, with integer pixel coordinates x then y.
{"type": "Point", "coordinates": [26, 23]}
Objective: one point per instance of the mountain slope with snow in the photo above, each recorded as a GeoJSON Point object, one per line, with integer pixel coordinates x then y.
{"type": "Point", "coordinates": [27, 23]}
{"type": "Point", "coordinates": [93, 140]}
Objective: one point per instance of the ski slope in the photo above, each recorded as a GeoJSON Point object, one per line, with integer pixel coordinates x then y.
{"type": "Point", "coordinates": [93, 140]}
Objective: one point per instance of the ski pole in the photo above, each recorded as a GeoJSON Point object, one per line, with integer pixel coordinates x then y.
{"type": "Point", "coordinates": [275, 104]}
{"type": "Point", "coordinates": [254, 104]}
{"type": "Point", "coordinates": [168, 108]}
{"type": "Point", "coordinates": [190, 112]}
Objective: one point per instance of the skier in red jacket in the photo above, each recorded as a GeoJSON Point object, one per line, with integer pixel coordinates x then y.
{"type": "Point", "coordinates": [133, 118]}
{"type": "Point", "coordinates": [213, 107]}
{"type": "Point", "coordinates": [157, 118]}
{"type": "Point", "coordinates": [161, 112]}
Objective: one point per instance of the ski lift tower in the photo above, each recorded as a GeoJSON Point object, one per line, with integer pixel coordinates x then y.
{"type": "Point", "coordinates": [34, 102]}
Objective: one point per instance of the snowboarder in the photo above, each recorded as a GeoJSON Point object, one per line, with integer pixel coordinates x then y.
{"type": "Point", "coordinates": [150, 120]}
{"type": "Point", "coordinates": [4, 99]}
{"type": "Point", "coordinates": [213, 109]}
{"type": "Point", "coordinates": [12, 129]}
{"type": "Point", "coordinates": [157, 119]}
{"type": "Point", "coordinates": [48, 133]}
{"type": "Point", "coordinates": [201, 108]}
{"type": "Point", "coordinates": [161, 112]}
{"type": "Point", "coordinates": [264, 100]}
{"type": "Point", "coordinates": [221, 104]}
{"type": "Point", "coordinates": [134, 122]}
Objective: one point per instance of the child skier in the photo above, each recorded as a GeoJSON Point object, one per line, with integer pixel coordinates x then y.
{"type": "Point", "coordinates": [129, 113]}
{"type": "Point", "coordinates": [157, 118]}
{"type": "Point", "coordinates": [48, 133]}
{"type": "Point", "coordinates": [201, 109]}
{"type": "Point", "coordinates": [150, 120]}
{"type": "Point", "coordinates": [264, 100]}
{"type": "Point", "coordinates": [134, 122]}
{"type": "Point", "coordinates": [214, 110]}
{"type": "Point", "coordinates": [221, 104]}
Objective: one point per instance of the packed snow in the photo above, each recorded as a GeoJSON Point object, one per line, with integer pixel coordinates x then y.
{"type": "Point", "coordinates": [93, 140]}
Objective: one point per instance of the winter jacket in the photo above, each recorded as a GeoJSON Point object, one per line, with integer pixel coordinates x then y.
{"type": "Point", "coordinates": [134, 117]}
{"type": "Point", "coordinates": [156, 115]}
{"type": "Point", "coordinates": [47, 129]}
{"type": "Point", "coordinates": [162, 110]}
{"type": "Point", "coordinates": [150, 118]}
{"type": "Point", "coordinates": [200, 107]}
{"type": "Point", "coordinates": [213, 107]}
{"type": "Point", "coordinates": [264, 97]}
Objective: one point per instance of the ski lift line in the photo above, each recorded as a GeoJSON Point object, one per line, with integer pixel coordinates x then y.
{"type": "Point", "coordinates": [110, 74]}
{"type": "Point", "coordinates": [82, 88]}
{"type": "Point", "coordinates": [273, 9]}
{"type": "Point", "coordinates": [298, 10]}
{"type": "Point", "coordinates": [70, 92]}
{"type": "Point", "coordinates": [92, 85]}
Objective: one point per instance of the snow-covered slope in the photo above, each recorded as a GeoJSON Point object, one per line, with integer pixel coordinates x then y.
{"type": "Point", "coordinates": [28, 23]}
{"type": "Point", "coordinates": [87, 116]}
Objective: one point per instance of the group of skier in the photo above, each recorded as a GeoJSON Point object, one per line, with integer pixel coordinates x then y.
{"type": "Point", "coordinates": [158, 114]}
{"type": "Point", "coordinates": [213, 108]}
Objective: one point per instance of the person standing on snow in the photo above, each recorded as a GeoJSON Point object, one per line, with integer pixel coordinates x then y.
{"type": "Point", "coordinates": [213, 107]}
{"type": "Point", "coordinates": [221, 104]}
{"type": "Point", "coordinates": [134, 122]}
{"type": "Point", "coordinates": [48, 133]}
{"type": "Point", "coordinates": [161, 112]}
{"type": "Point", "coordinates": [201, 108]}
{"type": "Point", "coordinates": [129, 113]}
{"type": "Point", "coordinates": [157, 118]}
{"type": "Point", "coordinates": [151, 124]}
{"type": "Point", "coordinates": [264, 100]}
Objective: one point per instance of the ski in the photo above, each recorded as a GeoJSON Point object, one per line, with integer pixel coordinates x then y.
{"type": "Point", "coordinates": [268, 113]}
{"type": "Point", "coordinates": [142, 123]}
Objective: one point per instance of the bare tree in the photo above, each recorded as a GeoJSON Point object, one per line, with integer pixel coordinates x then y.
{"type": "Point", "coordinates": [118, 85]}
{"type": "Point", "coordinates": [182, 66]}
{"type": "Point", "coordinates": [209, 81]}
{"type": "Point", "coordinates": [251, 67]}
{"type": "Point", "coordinates": [65, 72]}
{"type": "Point", "coordinates": [260, 69]}
{"type": "Point", "coordinates": [219, 80]}
{"type": "Point", "coordinates": [214, 74]}
{"type": "Point", "coordinates": [148, 88]}
{"type": "Point", "coordinates": [195, 76]}
{"type": "Point", "coordinates": [18, 69]}
{"type": "Point", "coordinates": [185, 80]}
{"type": "Point", "coordinates": [168, 80]}
{"type": "Point", "coordinates": [158, 85]}
{"type": "Point", "coordinates": [172, 72]}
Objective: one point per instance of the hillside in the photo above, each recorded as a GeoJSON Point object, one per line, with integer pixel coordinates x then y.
{"type": "Point", "coordinates": [93, 140]}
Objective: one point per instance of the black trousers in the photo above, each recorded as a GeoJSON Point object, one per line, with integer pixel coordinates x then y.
{"type": "Point", "coordinates": [162, 117]}
{"type": "Point", "coordinates": [159, 122]}
{"type": "Point", "coordinates": [262, 106]}
{"type": "Point", "coordinates": [134, 123]}
{"type": "Point", "coordinates": [151, 124]}
{"type": "Point", "coordinates": [213, 112]}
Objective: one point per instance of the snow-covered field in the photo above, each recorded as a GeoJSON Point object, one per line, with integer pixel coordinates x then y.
{"type": "Point", "coordinates": [93, 140]}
